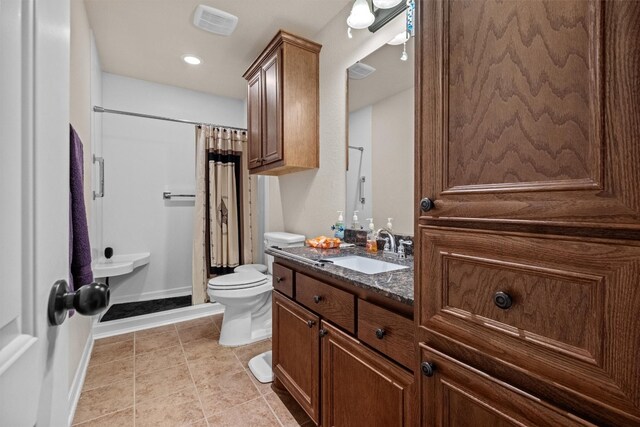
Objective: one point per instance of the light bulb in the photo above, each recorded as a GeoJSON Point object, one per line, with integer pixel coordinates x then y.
{"type": "Point", "coordinates": [404, 55]}
{"type": "Point", "coordinates": [349, 33]}
{"type": "Point", "coordinates": [386, 4]}
{"type": "Point", "coordinates": [361, 16]}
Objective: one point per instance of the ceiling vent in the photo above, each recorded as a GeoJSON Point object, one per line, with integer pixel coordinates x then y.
{"type": "Point", "coordinates": [214, 20]}
{"type": "Point", "coordinates": [360, 70]}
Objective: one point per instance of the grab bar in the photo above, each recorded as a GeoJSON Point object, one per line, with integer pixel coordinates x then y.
{"type": "Point", "coordinates": [362, 180]}
{"type": "Point", "coordinates": [167, 195]}
{"type": "Point", "coordinates": [100, 161]}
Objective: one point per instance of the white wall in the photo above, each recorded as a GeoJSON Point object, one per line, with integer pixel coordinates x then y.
{"type": "Point", "coordinates": [143, 158]}
{"type": "Point", "coordinates": [309, 200]}
{"type": "Point", "coordinates": [392, 161]}
{"type": "Point", "coordinates": [360, 128]}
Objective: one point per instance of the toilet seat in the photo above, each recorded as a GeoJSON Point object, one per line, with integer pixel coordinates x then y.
{"type": "Point", "coordinates": [240, 280]}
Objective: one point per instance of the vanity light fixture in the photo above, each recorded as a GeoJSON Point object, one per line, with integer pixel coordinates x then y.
{"type": "Point", "coordinates": [191, 59]}
{"type": "Point", "coordinates": [404, 55]}
{"type": "Point", "coordinates": [361, 16]}
{"type": "Point", "coordinates": [402, 37]}
{"type": "Point", "coordinates": [386, 4]}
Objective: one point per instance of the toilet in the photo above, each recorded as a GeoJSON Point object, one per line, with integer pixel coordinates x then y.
{"type": "Point", "coordinates": [246, 296]}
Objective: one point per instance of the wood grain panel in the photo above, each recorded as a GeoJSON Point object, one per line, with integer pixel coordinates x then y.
{"type": "Point", "coordinates": [558, 309]}
{"type": "Point", "coordinates": [254, 115]}
{"type": "Point", "coordinates": [362, 388]}
{"type": "Point", "coordinates": [272, 110]}
{"type": "Point", "coordinates": [606, 376]}
{"type": "Point", "coordinates": [459, 395]}
{"type": "Point", "coordinates": [398, 339]}
{"type": "Point", "coordinates": [283, 279]}
{"type": "Point", "coordinates": [333, 304]}
{"type": "Point", "coordinates": [296, 353]}
{"type": "Point", "coordinates": [529, 113]}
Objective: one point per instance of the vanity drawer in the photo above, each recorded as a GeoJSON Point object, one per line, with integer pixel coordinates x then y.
{"type": "Point", "coordinates": [283, 279]}
{"type": "Point", "coordinates": [333, 304]}
{"type": "Point", "coordinates": [387, 332]}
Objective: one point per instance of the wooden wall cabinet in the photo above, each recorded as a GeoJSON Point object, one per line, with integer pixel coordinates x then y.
{"type": "Point", "coordinates": [283, 107]}
{"type": "Point", "coordinates": [360, 384]}
{"type": "Point", "coordinates": [528, 254]}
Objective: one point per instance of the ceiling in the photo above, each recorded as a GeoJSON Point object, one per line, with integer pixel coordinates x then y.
{"type": "Point", "coordinates": [392, 76]}
{"type": "Point", "coordinates": [146, 39]}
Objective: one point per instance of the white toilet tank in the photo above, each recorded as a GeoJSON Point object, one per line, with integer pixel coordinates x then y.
{"type": "Point", "coordinates": [282, 240]}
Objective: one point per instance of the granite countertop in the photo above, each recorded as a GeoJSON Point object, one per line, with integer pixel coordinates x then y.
{"type": "Point", "coordinates": [397, 285]}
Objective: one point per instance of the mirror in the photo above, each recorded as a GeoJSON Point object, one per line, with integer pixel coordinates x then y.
{"type": "Point", "coordinates": [380, 139]}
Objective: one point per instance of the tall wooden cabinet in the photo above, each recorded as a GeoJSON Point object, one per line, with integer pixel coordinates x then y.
{"type": "Point", "coordinates": [283, 106]}
{"type": "Point", "coordinates": [528, 207]}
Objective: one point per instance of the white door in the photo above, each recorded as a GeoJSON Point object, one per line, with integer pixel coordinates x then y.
{"type": "Point", "coordinates": [34, 205]}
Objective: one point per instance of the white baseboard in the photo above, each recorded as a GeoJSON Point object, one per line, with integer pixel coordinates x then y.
{"type": "Point", "coordinates": [78, 378]}
{"type": "Point", "coordinates": [131, 324]}
{"type": "Point", "coordinates": [146, 296]}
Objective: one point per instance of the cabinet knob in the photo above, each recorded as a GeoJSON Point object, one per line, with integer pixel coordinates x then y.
{"type": "Point", "coordinates": [278, 279]}
{"type": "Point", "coordinates": [426, 204]}
{"type": "Point", "coordinates": [310, 323]}
{"type": "Point", "coordinates": [317, 299]}
{"type": "Point", "coordinates": [502, 300]}
{"type": "Point", "coordinates": [427, 369]}
{"type": "Point", "coordinates": [380, 333]}
{"type": "Point", "coordinates": [323, 332]}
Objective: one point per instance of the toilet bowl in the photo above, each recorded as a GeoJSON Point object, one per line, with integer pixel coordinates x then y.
{"type": "Point", "coordinates": [246, 296]}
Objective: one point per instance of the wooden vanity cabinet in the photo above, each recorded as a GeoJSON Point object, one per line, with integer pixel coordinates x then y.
{"type": "Point", "coordinates": [321, 345]}
{"type": "Point", "coordinates": [527, 246]}
{"type": "Point", "coordinates": [283, 107]}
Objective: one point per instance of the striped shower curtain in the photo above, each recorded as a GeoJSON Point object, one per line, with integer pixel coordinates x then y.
{"type": "Point", "coordinates": [223, 230]}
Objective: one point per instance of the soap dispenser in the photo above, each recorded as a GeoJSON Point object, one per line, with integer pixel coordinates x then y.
{"type": "Point", "coordinates": [354, 221]}
{"type": "Point", "coordinates": [339, 227]}
{"type": "Point", "coordinates": [372, 242]}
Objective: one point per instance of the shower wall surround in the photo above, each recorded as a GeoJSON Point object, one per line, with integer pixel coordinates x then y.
{"type": "Point", "coordinates": [143, 158]}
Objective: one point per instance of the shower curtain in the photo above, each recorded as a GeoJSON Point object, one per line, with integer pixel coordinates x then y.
{"type": "Point", "coordinates": [224, 221]}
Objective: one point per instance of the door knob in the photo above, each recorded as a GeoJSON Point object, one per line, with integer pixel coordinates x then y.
{"type": "Point", "coordinates": [427, 369]}
{"type": "Point", "coordinates": [310, 323]}
{"type": "Point", "coordinates": [323, 332]}
{"type": "Point", "coordinates": [278, 279]}
{"type": "Point", "coordinates": [88, 300]}
{"type": "Point", "coordinates": [317, 299]}
{"type": "Point", "coordinates": [502, 300]}
{"type": "Point", "coordinates": [426, 204]}
{"type": "Point", "coordinates": [380, 333]}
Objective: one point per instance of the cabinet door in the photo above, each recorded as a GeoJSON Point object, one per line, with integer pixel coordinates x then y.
{"type": "Point", "coordinates": [455, 395]}
{"type": "Point", "coordinates": [529, 113]}
{"type": "Point", "coordinates": [254, 115]}
{"type": "Point", "coordinates": [362, 388]}
{"type": "Point", "coordinates": [296, 357]}
{"type": "Point", "coordinates": [272, 124]}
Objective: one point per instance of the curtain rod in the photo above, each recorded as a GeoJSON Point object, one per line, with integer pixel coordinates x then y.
{"type": "Point", "coordinates": [168, 119]}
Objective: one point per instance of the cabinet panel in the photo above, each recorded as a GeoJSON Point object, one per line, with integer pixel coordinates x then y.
{"type": "Point", "coordinates": [296, 353]}
{"type": "Point", "coordinates": [272, 124]}
{"type": "Point", "coordinates": [283, 279]}
{"type": "Point", "coordinates": [361, 388]}
{"type": "Point", "coordinates": [254, 107]}
{"type": "Point", "coordinates": [522, 115]}
{"type": "Point", "coordinates": [333, 304]}
{"type": "Point", "coordinates": [457, 395]}
{"type": "Point", "coordinates": [573, 305]}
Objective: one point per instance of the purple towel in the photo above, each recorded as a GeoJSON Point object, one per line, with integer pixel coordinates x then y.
{"type": "Point", "coordinates": [79, 247]}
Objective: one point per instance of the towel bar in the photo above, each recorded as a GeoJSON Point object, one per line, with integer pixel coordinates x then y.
{"type": "Point", "coordinates": [167, 195]}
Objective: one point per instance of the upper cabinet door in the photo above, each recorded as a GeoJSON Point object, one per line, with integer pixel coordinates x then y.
{"type": "Point", "coordinates": [530, 111]}
{"type": "Point", "coordinates": [254, 114]}
{"type": "Point", "coordinates": [272, 125]}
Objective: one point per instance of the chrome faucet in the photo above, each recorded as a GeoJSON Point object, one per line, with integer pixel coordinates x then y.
{"type": "Point", "coordinates": [390, 245]}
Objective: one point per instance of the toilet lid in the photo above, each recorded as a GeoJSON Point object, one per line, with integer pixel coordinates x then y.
{"type": "Point", "coordinates": [247, 267]}
{"type": "Point", "coordinates": [240, 280]}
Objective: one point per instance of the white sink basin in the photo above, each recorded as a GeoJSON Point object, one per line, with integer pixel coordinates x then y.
{"type": "Point", "coordinates": [119, 264]}
{"type": "Point", "coordinates": [366, 265]}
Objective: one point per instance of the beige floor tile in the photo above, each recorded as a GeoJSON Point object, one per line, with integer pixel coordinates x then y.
{"type": "Point", "coordinates": [204, 370]}
{"type": "Point", "coordinates": [287, 409]}
{"type": "Point", "coordinates": [197, 332]}
{"type": "Point", "coordinates": [195, 322]}
{"type": "Point", "coordinates": [217, 320]}
{"type": "Point", "coordinates": [254, 413]}
{"type": "Point", "coordinates": [201, 423]}
{"type": "Point", "coordinates": [104, 400]}
{"type": "Point", "coordinates": [226, 391]}
{"type": "Point", "coordinates": [159, 359]}
{"type": "Point", "coordinates": [263, 388]}
{"type": "Point", "coordinates": [111, 352]}
{"type": "Point", "coordinates": [122, 418]}
{"type": "Point", "coordinates": [157, 330]}
{"type": "Point", "coordinates": [156, 341]}
{"type": "Point", "coordinates": [108, 373]}
{"type": "Point", "coordinates": [204, 348]}
{"type": "Point", "coordinates": [246, 352]}
{"type": "Point", "coordinates": [156, 384]}
{"type": "Point", "coordinates": [176, 409]}
{"type": "Point", "coordinates": [114, 339]}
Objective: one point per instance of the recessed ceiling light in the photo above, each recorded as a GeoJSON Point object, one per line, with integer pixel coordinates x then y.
{"type": "Point", "coordinates": [190, 59]}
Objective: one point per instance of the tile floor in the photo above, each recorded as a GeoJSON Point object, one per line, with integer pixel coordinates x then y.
{"type": "Point", "coordinates": [178, 375]}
